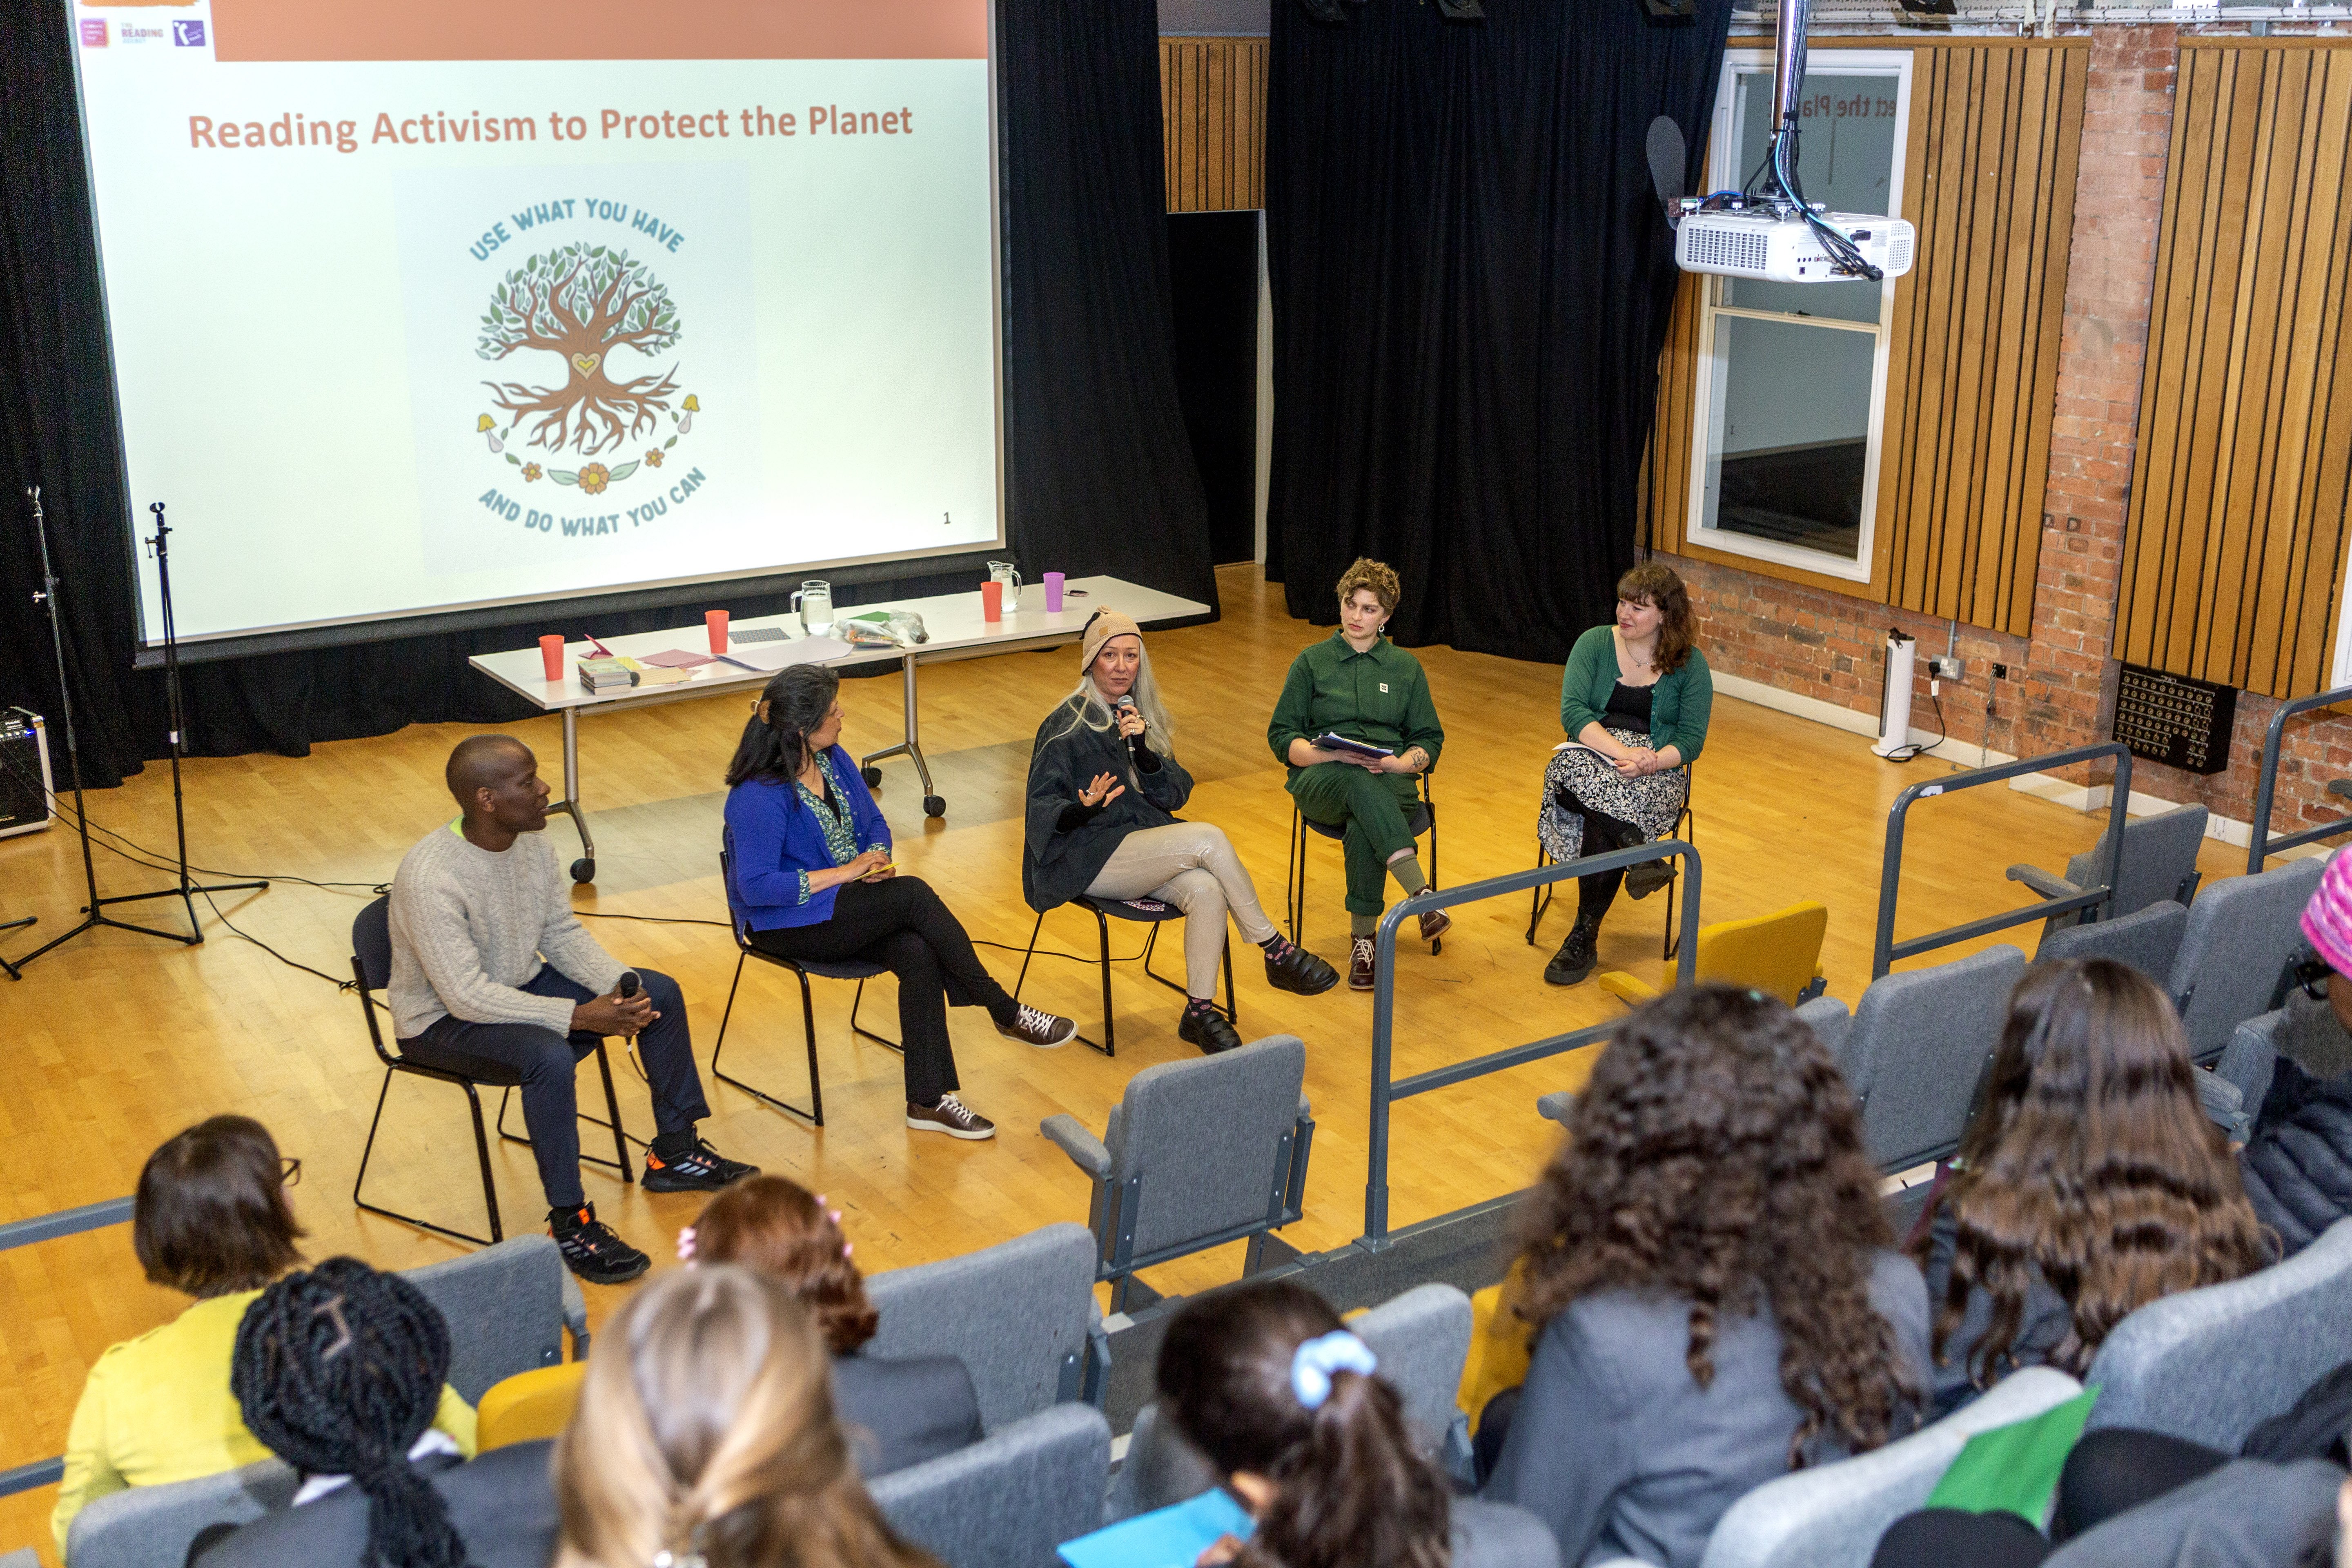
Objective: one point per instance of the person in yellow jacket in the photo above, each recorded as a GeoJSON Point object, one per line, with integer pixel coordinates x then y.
{"type": "Point", "coordinates": [211, 1220]}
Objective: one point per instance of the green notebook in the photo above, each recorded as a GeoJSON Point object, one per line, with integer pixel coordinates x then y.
{"type": "Point", "coordinates": [2015, 1468]}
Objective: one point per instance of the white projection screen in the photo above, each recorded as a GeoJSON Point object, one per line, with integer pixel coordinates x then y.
{"type": "Point", "coordinates": [422, 306]}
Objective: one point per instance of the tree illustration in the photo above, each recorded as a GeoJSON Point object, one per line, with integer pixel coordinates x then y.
{"type": "Point", "coordinates": [583, 302]}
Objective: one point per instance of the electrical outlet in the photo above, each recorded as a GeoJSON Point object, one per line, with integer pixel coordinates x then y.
{"type": "Point", "coordinates": [1944, 667]}
{"type": "Point", "coordinates": [2000, 672]}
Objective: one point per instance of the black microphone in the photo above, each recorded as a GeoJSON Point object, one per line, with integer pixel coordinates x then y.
{"type": "Point", "coordinates": [1134, 742]}
{"type": "Point", "coordinates": [628, 986]}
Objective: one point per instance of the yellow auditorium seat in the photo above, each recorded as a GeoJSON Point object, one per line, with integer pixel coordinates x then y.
{"type": "Point", "coordinates": [1778, 954]}
{"type": "Point", "coordinates": [528, 1406]}
{"type": "Point", "coordinates": [1499, 1344]}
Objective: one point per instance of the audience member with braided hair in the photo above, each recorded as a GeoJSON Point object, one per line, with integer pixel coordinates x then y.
{"type": "Point", "coordinates": [1288, 1407]}
{"type": "Point", "coordinates": [706, 1433]}
{"type": "Point", "coordinates": [2090, 1183]}
{"type": "Point", "coordinates": [899, 1411]}
{"type": "Point", "coordinates": [211, 1220]}
{"type": "Point", "coordinates": [339, 1370]}
{"type": "Point", "coordinates": [1712, 1281]}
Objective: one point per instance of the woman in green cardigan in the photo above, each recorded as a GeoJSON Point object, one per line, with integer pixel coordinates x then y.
{"type": "Point", "coordinates": [1634, 702]}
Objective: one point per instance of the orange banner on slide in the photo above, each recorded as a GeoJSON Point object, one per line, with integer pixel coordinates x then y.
{"type": "Point", "coordinates": [304, 30]}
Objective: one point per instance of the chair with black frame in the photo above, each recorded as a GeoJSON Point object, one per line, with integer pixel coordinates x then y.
{"type": "Point", "coordinates": [371, 973]}
{"type": "Point", "coordinates": [1685, 829]}
{"type": "Point", "coordinates": [1424, 824]}
{"type": "Point", "coordinates": [801, 969]}
{"type": "Point", "coordinates": [1152, 913]}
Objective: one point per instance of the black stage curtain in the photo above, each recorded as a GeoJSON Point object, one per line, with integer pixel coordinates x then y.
{"type": "Point", "coordinates": [1472, 280]}
{"type": "Point", "coordinates": [1101, 477]}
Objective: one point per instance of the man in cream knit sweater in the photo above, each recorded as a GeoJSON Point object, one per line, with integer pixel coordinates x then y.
{"type": "Point", "coordinates": [476, 908]}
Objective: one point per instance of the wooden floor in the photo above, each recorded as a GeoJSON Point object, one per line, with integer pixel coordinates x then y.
{"type": "Point", "coordinates": [116, 1041]}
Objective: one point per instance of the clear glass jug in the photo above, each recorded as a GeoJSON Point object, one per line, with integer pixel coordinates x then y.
{"type": "Point", "coordinates": [814, 600]}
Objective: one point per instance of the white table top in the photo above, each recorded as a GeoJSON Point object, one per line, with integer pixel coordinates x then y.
{"type": "Point", "coordinates": [953, 621]}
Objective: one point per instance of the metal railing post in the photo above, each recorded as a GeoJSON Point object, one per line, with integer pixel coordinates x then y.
{"type": "Point", "coordinates": [2262, 846]}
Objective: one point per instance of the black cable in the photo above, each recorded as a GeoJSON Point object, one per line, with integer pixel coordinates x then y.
{"type": "Point", "coordinates": [1052, 953]}
{"type": "Point", "coordinates": [1911, 751]}
{"type": "Point", "coordinates": [650, 920]}
{"type": "Point", "coordinates": [1842, 251]}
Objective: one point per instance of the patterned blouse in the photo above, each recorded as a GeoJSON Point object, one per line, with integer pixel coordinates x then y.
{"type": "Point", "coordinates": [840, 839]}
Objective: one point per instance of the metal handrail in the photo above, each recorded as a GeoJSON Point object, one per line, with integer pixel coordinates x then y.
{"type": "Point", "coordinates": [1386, 1091]}
{"type": "Point", "coordinates": [25, 1233]}
{"type": "Point", "coordinates": [1886, 951]}
{"type": "Point", "coordinates": [2262, 846]}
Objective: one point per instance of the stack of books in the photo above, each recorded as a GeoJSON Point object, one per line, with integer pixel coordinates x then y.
{"type": "Point", "coordinates": [601, 675]}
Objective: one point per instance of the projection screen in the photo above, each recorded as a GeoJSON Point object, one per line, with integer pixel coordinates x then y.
{"type": "Point", "coordinates": [419, 306]}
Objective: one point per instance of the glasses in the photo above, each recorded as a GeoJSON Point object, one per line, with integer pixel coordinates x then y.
{"type": "Point", "coordinates": [289, 1171]}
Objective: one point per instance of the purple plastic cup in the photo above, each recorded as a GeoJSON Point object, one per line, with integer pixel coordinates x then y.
{"type": "Point", "coordinates": [1053, 593]}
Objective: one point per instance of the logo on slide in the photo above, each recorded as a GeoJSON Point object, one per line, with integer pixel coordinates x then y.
{"type": "Point", "coordinates": [584, 303]}
{"type": "Point", "coordinates": [188, 35]}
{"type": "Point", "coordinates": [93, 32]}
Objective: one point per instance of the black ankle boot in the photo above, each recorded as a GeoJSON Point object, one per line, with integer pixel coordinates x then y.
{"type": "Point", "coordinates": [1576, 956]}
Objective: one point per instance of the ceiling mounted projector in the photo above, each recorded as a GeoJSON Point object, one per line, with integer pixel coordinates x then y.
{"type": "Point", "coordinates": [1760, 243]}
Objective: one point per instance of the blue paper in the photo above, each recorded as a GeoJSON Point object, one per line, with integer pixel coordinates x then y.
{"type": "Point", "coordinates": [1165, 1537]}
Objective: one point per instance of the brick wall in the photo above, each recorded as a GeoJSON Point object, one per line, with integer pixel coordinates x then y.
{"type": "Point", "coordinates": [2061, 679]}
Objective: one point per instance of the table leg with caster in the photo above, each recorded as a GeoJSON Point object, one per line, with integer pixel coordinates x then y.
{"type": "Point", "coordinates": [584, 868]}
{"type": "Point", "coordinates": [911, 747]}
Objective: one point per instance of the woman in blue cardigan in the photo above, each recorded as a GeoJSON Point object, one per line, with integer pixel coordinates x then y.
{"type": "Point", "coordinates": [1634, 703]}
{"type": "Point", "coordinates": [810, 877]}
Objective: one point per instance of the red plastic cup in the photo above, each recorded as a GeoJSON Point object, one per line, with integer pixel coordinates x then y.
{"type": "Point", "coordinates": [714, 623]}
{"type": "Point", "coordinates": [550, 653]}
{"type": "Point", "coordinates": [992, 600]}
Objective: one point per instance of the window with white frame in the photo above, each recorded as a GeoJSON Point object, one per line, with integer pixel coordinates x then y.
{"type": "Point", "coordinates": [1793, 376]}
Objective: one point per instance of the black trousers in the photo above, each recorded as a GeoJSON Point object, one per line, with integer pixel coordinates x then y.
{"type": "Point", "coordinates": [1595, 893]}
{"type": "Point", "coordinates": [551, 1104]}
{"type": "Point", "coordinates": [2109, 1472]}
{"type": "Point", "coordinates": [901, 924]}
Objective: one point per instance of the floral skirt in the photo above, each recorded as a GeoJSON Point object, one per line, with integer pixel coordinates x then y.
{"type": "Point", "coordinates": [1653, 803]}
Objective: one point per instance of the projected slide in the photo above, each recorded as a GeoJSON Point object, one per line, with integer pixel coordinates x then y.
{"type": "Point", "coordinates": [423, 304]}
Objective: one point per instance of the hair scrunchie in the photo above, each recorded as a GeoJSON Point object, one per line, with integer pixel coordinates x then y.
{"type": "Point", "coordinates": [1313, 1363]}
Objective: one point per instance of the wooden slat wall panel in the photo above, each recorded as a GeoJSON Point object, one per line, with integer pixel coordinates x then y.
{"type": "Point", "coordinates": [1212, 122]}
{"type": "Point", "coordinates": [1996, 139]}
{"type": "Point", "coordinates": [1994, 142]}
{"type": "Point", "coordinates": [2234, 550]}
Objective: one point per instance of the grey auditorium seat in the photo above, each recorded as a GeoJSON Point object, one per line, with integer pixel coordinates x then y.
{"type": "Point", "coordinates": [1831, 1516]}
{"type": "Point", "coordinates": [1196, 1153]}
{"type": "Point", "coordinates": [1009, 1499]}
{"type": "Point", "coordinates": [1915, 1048]}
{"type": "Point", "coordinates": [1021, 1316]}
{"type": "Point", "coordinates": [507, 1307]}
{"type": "Point", "coordinates": [2210, 1364]}
{"type": "Point", "coordinates": [153, 1527]}
{"type": "Point", "coordinates": [2160, 862]}
{"type": "Point", "coordinates": [2148, 939]}
{"type": "Point", "coordinates": [2243, 933]}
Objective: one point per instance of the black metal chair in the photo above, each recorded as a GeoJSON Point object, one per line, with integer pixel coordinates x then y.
{"type": "Point", "coordinates": [801, 969]}
{"type": "Point", "coordinates": [1685, 829]}
{"type": "Point", "coordinates": [1423, 823]}
{"type": "Point", "coordinates": [1154, 912]}
{"type": "Point", "coordinates": [371, 973]}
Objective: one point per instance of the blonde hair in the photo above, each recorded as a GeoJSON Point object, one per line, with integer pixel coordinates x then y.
{"type": "Point", "coordinates": [1090, 709]}
{"type": "Point", "coordinates": [1377, 575]}
{"type": "Point", "coordinates": [706, 1426]}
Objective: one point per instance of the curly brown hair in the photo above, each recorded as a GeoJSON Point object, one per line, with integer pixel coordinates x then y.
{"type": "Point", "coordinates": [1655, 583]}
{"type": "Point", "coordinates": [775, 1225]}
{"type": "Point", "coordinates": [1717, 1156]}
{"type": "Point", "coordinates": [1351, 1489]}
{"type": "Point", "coordinates": [2092, 1161]}
{"type": "Point", "coordinates": [1377, 575]}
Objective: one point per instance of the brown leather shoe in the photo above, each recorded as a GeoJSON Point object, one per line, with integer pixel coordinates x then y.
{"type": "Point", "coordinates": [1435, 923]}
{"type": "Point", "coordinates": [950, 1116]}
{"type": "Point", "coordinates": [1363, 963]}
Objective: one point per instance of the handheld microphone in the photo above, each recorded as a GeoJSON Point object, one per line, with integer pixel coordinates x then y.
{"type": "Point", "coordinates": [1134, 742]}
{"type": "Point", "coordinates": [628, 986]}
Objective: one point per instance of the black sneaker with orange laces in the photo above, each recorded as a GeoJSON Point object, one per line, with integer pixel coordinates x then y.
{"type": "Point", "coordinates": [591, 1250]}
{"type": "Point", "coordinates": [682, 1162]}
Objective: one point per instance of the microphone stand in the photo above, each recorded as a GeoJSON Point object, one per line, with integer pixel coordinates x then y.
{"type": "Point", "coordinates": [185, 889]}
{"type": "Point", "coordinates": [92, 918]}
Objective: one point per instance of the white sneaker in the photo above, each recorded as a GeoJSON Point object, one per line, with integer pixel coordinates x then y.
{"type": "Point", "coordinates": [950, 1116]}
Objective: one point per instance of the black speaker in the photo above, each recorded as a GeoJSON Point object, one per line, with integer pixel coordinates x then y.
{"type": "Point", "coordinates": [24, 772]}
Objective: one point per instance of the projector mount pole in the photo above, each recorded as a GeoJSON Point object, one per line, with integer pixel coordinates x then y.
{"type": "Point", "coordinates": [1788, 79]}
{"type": "Point", "coordinates": [92, 918]}
{"type": "Point", "coordinates": [186, 889]}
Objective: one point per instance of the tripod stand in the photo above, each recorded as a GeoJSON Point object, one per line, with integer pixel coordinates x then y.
{"type": "Point", "coordinates": [186, 889]}
{"type": "Point", "coordinates": [92, 918]}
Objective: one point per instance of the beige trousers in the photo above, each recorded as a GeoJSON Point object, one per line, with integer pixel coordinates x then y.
{"type": "Point", "coordinates": [1192, 866]}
